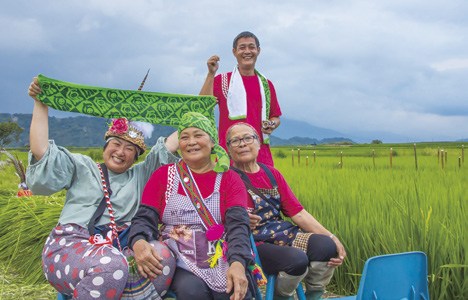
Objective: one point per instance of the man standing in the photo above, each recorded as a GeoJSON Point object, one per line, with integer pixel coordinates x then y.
{"type": "Point", "coordinates": [244, 95]}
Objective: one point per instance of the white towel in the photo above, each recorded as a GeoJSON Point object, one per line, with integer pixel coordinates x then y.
{"type": "Point", "coordinates": [237, 99]}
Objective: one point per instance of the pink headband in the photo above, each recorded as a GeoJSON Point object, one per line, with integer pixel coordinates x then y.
{"type": "Point", "coordinates": [237, 124]}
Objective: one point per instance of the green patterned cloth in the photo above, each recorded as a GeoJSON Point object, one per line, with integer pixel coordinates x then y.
{"type": "Point", "coordinates": [266, 88]}
{"type": "Point", "coordinates": [156, 108]}
{"type": "Point", "coordinates": [194, 119]}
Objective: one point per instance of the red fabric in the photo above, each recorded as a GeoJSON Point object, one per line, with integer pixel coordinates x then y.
{"type": "Point", "coordinates": [254, 112]}
{"type": "Point", "coordinates": [290, 206]}
{"type": "Point", "coordinates": [232, 190]}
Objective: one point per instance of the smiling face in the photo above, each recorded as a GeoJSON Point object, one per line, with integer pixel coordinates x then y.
{"type": "Point", "coordinates": [244, 153]}
{"type": "Point", "coordinates": [246, 52]}
{"type": "Point", "coordinates": [119, 155]}
{"type": "Point", "coordinates": [195, 146]}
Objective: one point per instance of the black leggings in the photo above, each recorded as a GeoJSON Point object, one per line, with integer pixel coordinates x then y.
{"type": "Point", "coordinates": [293, 261]}
{"type": "Point", "coordinates": [187, 285]}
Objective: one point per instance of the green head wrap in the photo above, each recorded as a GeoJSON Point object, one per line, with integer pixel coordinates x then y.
{"type": "Point", "coordinates": [194, 119]}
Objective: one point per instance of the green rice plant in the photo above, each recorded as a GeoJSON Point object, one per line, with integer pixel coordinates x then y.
{"type": "Point", "coordinates": [379, 210]}
{"type": "Point", "coordinates": [12, 287]}
{"type": "Point", "coordinates": [27, 221]}
{"type": "Point", "coordinates": [373, 210]}
{"type": "Point", "coordinates": [95, 154]}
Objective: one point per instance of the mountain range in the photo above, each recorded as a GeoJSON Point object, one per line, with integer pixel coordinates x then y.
{"type": "Point", "coordinates": [290, 128]}
{"type": "Point", "coordinates": [85, 131]}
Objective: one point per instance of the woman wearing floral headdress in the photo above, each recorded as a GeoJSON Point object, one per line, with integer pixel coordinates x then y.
{"type": "Point", "coordinates": [83, 255]}
{"type": "Point", "coordinates": [202, 206]}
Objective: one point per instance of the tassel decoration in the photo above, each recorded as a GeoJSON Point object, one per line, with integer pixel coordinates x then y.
{"type": "Point", "coordinates": [258, 275]}
{"type": "Point", "coordinates": [213, 260]}
{"type": "Point", "coordinates": [215, 232]}
{"type": "Point", "coordinates": [225, 249]}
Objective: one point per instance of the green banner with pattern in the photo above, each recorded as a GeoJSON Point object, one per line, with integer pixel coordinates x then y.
{"type": "Point", "coordinates": [151, 107]}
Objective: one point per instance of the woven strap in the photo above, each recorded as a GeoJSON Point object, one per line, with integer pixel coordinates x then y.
{"type": "Point", "coordinates": [102, 206]}
{"type": "Point", "coordinates": [105, 202]}
{"type": "Point", "coordinates": [192, 191]}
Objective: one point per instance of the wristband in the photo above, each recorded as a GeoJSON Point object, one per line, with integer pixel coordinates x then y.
{"type": "Point", "coordinates": [332, 235]}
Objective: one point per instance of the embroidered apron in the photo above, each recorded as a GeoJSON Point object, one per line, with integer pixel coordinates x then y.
{"type": "Point", "coordinates": [272, 228]}
{"type": "Point", "coordinates": [185, 235]}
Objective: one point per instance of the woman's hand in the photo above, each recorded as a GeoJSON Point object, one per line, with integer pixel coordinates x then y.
{"type": "Point", "coordinates": [236, 279]}
{"type": "Point", "coordinates": [254, 219]}
{"type": "Point", "coordinates": [147, 259]}
{"type": "Point", "coordinates": [34, 89]}
{"type": "Point", "coordinates": [39, 130]}
{"type": "Point", "coordinates": [338, 261]}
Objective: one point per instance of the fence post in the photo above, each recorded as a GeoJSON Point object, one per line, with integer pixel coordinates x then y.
{"type": "Point", "coordinates": [341, 158]}
{"type": "Point", "coordinates": [307, 161]}
{"type": "Point", "coordinates": [373, 157]}
{"type": "Point", "coordinates": [391, 154]}
{"type": "Point", "coordinates": [459, 162]}
{"type": "Point", "coordinates": [446, 157]}
{"type": "Point", "coordinates": [314, 156]}
{"type": "Point", "coordinates": [292, 157]}
{"type": "Point", "coordinates": [415, 157]}
{"type": "Point", "coordinates": [442, 154]}
{"type": "Point", "coordinates": [298, 157]}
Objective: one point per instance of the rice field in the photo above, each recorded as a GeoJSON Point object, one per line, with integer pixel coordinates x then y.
{"type": "Point", "coordinates": [382, 210]}
{"type": "Point", "coordinates": [372, 208]}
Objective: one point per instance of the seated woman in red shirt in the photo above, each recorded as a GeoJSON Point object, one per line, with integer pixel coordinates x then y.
{"type": "Point", "coordinates": [202, 205]}
{"type": "Point", "coordinates": [307, 251]}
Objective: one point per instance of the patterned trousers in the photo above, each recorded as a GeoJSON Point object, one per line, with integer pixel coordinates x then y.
{"type": "Point", "coordinates": [75, 267]}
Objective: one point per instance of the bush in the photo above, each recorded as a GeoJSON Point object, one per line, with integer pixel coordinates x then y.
{"type": "Point", "coordinates": [280, 154]}
{"type": "Point", "coordinates": [376, 142]}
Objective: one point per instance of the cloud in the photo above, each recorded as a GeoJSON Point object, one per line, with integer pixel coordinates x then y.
{"type": "Point", "coordinates": [22, 34]}
{"type": "Point", "coordinates": [450, 64]}
{"type": "Point", "coordinates": [387, 65]}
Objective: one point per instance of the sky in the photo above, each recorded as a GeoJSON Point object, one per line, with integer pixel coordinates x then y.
{"type": "Point", "coordinates": [387, 67]}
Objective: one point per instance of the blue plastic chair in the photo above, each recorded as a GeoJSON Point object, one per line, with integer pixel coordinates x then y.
{"type": "Point", "coordinates": [170, 295]}
{"type": "Point", "coordinates": [63, 297]}
{"type": "Point", "coordinates": [271, 289]}
{"type": "Point", "coordinates": [395, 276]}
{"type": "Point", "coordinates": [271, 280]}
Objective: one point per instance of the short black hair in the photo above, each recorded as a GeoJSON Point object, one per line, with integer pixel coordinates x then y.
{"type": "Point", "coordinates": [245, 34]}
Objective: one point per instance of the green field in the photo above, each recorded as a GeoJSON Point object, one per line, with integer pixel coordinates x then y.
{"type": "Point", "coordinates": [372, 208]}
{"type": "Point", "coordinates": [381, 210]}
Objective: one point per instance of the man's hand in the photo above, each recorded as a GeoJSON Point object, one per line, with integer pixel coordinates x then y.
{"type": "Point", "coordinates": [274, 123]}
{"type": "Point", "coordinates": [254, 219]}
{"type": "Point", "coordinates": [212, 64]}
{"type": "Point", "coordinates": [207, 88]}
{"type": "Point", "coordinates": [236, 279]}
{"type": "Point", "coordinates": [147, 259]}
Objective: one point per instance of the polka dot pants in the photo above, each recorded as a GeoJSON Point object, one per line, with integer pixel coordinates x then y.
{"type": "Point", "coordinates": [75, 267]}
